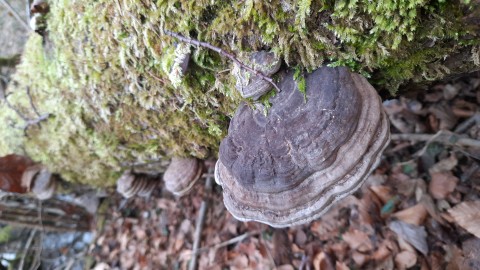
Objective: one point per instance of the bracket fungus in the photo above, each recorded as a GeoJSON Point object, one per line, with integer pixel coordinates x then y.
{"type": "Point", "coordinates": [289, 167]}
{"type": "Point", "coordinates": [140, 184]}
{"type": "Point", "coordinates": [181, 174]}
{"type": "Point", "coordinates": [253, 86]}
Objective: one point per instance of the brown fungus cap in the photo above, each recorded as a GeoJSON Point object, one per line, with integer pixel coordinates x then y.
{"type": "Point", "coordinates": [289, 167]}
{"type": "Point", "coordinates": [181, 174]}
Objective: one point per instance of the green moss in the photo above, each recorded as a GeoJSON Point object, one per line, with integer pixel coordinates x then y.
{"type": "Point", "coordinates": [110, 81]}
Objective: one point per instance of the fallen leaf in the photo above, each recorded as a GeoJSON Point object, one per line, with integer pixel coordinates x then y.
{"type": "Point", "coordinates": [384, 193]}
{"type": "Point", "coordinates": [471, 250]}
{"type": "Point", "coordinates": [285, 267]}
{"type": "Point", "coordinates": [358, 240]}
{"type": "Point", "coordinates": [382, 252]}
{"type": "Point", "coordinates": [444, 165]}
{"type": "Point", "coordinates": [322, 262]}
{"type": "Point", "coordinates": [415, 235]}
{"type": "Point", "coordinates": [12, 168]}
{"type": "Point", "coordinates": [405, 259]}
{"type": "Point", "coordinates": [442, 184]}
{"type": "Point", "coordinates": [413, 215]}
{"type": "Point", "coordinates": [360, 258]}
{"type": "Point", "coordinates": [300, 237]}
{"type": "Point", "coordinates": [467, 215]}
{"type": "Point", "coordinates": [341, 266]}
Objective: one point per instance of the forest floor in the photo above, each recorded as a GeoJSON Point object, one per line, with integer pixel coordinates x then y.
{"type": "Point", "coordinates": [420, 209]}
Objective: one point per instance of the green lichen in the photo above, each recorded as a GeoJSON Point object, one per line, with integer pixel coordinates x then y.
{"type": "Point", "coordinates": [108, 75]}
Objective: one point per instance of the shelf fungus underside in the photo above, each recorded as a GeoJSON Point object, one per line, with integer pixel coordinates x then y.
{"type": "Point", "coordinates": [289, 167]}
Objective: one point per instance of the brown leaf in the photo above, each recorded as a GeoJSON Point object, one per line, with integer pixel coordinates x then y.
{"type": "Point", "coordinates": [471, 250]}
{"type": "Point", "coordinates": [285, 267]}
{"type": "Point", "coordinates": [442, 184]}
{"type": "Point", "coordinates": [467, 215]}
{"type": "Point", "coordinates": [382, 252]}
{"type": "Point", "coordinates": [444, 165]}
{"type": "Point", "coordinates": [414, 215]}
{"type": "Point", "coordinates": [322, 262]}
{"type": "Point", "coordinates": [341, 266]}
{"type": "Point", "coordinates": [358, 240]}
{"type": "Point", "coordinates": [445, 115]}
{"type": "Point", "coordinates": [300, 237]}
{"type": "Point", "coordinates": [11, 171]}
{"type": "Point", "coordinates": [405, 259]}
{"type": "Point", "coordinates": [360, 258]}
{"type": "Point", "coordinates": [383, 192]}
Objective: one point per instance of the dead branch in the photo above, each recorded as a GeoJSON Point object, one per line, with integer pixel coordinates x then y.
{"type": "Point", "coordinates": [36, 261]}
{"type": "Point", "coordinates": [30, 99]}
{"type": "Point", "coordinates": [234, 240]}
{"type": "Point", "coordinates": [28, 244]}
{"type": "Point", "coordinates": [473, 120]}
{"type": "Point", "coordinates": [223, 53]}
{"type": "Point", "coordinates": [442, 136]}
{"type": "Point", "coordinates": [201, 220]}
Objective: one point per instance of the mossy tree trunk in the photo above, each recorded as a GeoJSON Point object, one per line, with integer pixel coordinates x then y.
{"type": "Point", "coordinates": [109, 77]}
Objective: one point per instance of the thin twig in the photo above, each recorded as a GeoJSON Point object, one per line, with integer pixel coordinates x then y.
{"type": "Point", "coordinates": [31, 102]}
{"type": "Point", "coordinates": [234, 240]}
{"type": "Point", "coordinates": [224, 53]}
{"type": "Point", "coordinates": [36, 262]}
{"type": "Point", "coordinates": [201, 220]}
{"type": "Point", "coordinates": [9, 105]}
{"type": "Point", "coordinates": [28, 244]}
{"type": "Point", "coordinates": [473, 120]}
{"type": "Point", "coordinates": [441, 136]}
{"type": "Point", "coordinates": [16, 15]}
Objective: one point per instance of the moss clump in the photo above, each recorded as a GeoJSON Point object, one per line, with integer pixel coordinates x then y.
{"type": "Point", "coordinates": [111, 83]}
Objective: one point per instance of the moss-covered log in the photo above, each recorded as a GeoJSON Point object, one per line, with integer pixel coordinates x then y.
{"type": "Point", "coordinates": [110, 79]}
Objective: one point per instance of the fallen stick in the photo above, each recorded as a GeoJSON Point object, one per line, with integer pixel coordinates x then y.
{"type": "Point", "coordinates": [441, 136]}
{"type": "Point", "coordinates": [234, 240]}
{"type": "Point", "coordinates": [201, 220]}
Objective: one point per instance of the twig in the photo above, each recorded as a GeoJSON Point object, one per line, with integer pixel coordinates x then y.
{"type": "Point", "coordinates": [36, 262]}
{"type": "Point", "coordinates": [31, 102]}
{"type": "Point", "coordinates": [473, 120]}
{"type": "Point", "coordinates": [201, 220]}
{"type": "Point", "coordinates": [16, 15]}
{"type": "Point", "coordinates": [28, 244]}
{"type": "Point", "coordinates": [234, 240]}
{"type": "Point", "coordinates": [441, 136]}
{"type": "Point", "coordinates": [37, 120]}
{"type": "Point", "coordinates": [9, 105]}
{"type": "Point", "coordinates": [222, 52]}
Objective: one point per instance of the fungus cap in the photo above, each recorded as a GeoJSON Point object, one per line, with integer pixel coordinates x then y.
{"type": "Point", "coordinates": [181, 174]}
{"type": "Point", "coordinates": [136, 184]}
{"type": "Point", "coordinates": [289, 167]}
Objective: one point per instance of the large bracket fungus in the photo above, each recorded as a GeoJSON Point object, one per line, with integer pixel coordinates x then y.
{"type": "Point", "coordinates": [289, 167]}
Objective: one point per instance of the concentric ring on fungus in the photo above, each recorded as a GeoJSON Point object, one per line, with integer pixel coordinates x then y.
{"type": "Point", "coordinates": [289, 167]}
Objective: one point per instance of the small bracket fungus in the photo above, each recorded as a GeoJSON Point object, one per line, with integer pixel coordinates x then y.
{"type": "Point", "coordinates": [181, 174]}
{"type": "Point", "coordinates": [289, 167]}
{"type": "Point", "coordinates": [254, 86]}
{"type": "Point", "coordinates": [140, 184]}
